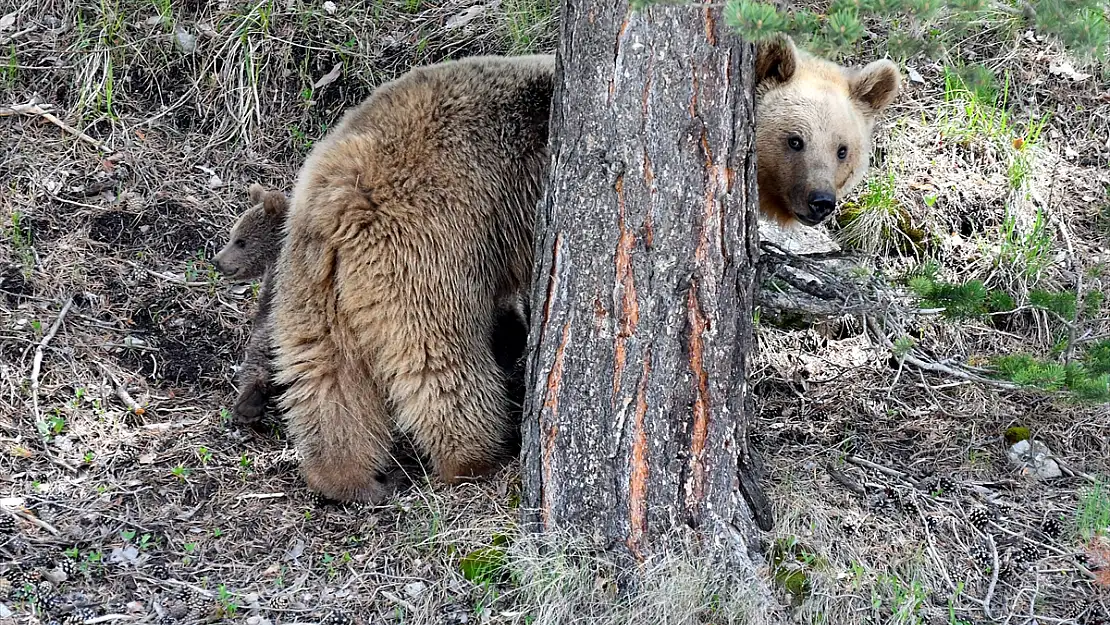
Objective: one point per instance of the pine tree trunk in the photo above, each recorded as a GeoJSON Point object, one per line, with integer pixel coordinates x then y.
{"type": "Point", "coordinates": [642, 296]}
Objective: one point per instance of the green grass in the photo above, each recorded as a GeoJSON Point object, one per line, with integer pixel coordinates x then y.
{"type": "Point", "coordinates": [1028, 252]}
{"type": "Point", "coordinates": [1093, 515]}
{"type": "Point", "coordinates": [527, 23]}
{"type": "Point", "coordinates": [877, 222]}
{"type": "Point", "coordinates": [19, 236]}
{"type": "Point", "coordinates": [9, 73]}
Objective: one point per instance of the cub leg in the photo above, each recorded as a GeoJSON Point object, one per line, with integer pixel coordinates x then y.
{"type": "Point", "coordinates": [255, 374]}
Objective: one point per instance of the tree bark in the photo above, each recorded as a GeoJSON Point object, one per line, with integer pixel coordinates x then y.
{"type": "Point", "coordinates": [646, 243]}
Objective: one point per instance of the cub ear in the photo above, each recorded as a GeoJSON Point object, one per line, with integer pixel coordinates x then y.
{"type": "Point", "coordinates": [256, 193]}
{"type": "Point", "coordinates": [275, 204]}
{"type": "Point", "coordinates": [776, 60]}
{"type": "Point", "coordinates": [876, 85]}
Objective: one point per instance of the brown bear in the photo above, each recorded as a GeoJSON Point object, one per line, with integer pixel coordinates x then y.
{"type": "Point", "coordinates": [813, 127]}
{"type": "Point", "coordinates": [412, 221]}
{"type": "Point", "coordinates": [250, 253]}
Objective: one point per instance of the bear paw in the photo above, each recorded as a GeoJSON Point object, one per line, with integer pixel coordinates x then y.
{"type": "Point", "coordinates": [345, 487]}
{"type": "Point", "coordinates": [250, 405]}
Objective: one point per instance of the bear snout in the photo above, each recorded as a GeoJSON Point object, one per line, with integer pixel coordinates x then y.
{"type": "Point", "coordinates": [222, 267]}
{"type": "Point", "coordinates": [821, 204]}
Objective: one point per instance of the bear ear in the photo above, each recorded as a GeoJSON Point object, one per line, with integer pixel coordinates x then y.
{"type": "Point", "coordinates": [876, 85]}
{"type": "Point", "coordinates": [275, 204]}
{"type": "Point", "coordinates": [256, 193]}
{"type": "Point", "coordinates": [776, 60]}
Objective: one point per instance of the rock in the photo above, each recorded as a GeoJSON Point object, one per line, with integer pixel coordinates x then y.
{"type": "Point", "coordinates": [797, 239]}
{"type": "Point", "coordinates": [414, 589]}
{"type": "Point", "coordinates": [1034, 457]}
{"type": "Point", "coordinates": [55, 576]}
{"type": "Point", "coordinates": [186, 41]}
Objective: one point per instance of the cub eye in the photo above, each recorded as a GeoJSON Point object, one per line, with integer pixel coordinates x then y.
{"type": "Point", "coordinates": [842, 153]}
{"type": "Point", "coordinates": [240, 243]}
{"type": "Point", "coordinates": [796, 143]}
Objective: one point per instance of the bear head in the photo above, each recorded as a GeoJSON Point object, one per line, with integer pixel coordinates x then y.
{"type": "Point", "coordinates": [814, 121]}
{"type": "Point", "coordinates": [256, 236]}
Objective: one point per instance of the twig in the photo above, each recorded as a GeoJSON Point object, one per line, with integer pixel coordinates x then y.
{"type": "Point", "coordinates": [844, 480]}
{"type": "Point", "coordinates": [260, 496]}
{"type": "Point", "coordinates": [34, 110]}
{"type": "Point", "coordinates": [121, 392]}
{"type": "Point", "coordinates": [166, 277]}
{"type": "Point", "coordinates": [173, 582]}
{"type": "Point", "coordinates": [399, 601]}
{"type": "Point", "coordinates": [107, 618]}
{"type": "Point", "coordinates": [937, 367]}
{"type": "Point", "coordinates": [867, 464]}
{"type": "Point", "coordinates": [32, 519]}
{"type": "Point", "coordinates": [36, 369]}
{"type": "Point", "coordinates": [994, 577]}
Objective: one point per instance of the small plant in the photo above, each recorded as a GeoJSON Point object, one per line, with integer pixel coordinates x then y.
{"type": "Point", "coordinates": [165, 11]}
{"type": "Point", "coordinates": [9, 73]}
{"type": "Point", "coordinates": [1029, 252]}
{"type": "Point", "coordinates": [204, 455]}
{"type": "Point", "coordinates": [180, 472]}
{"type": "Point", "coordinates": [20, 237]}
{"type": "Point", "coordinates": [1084, 379]}
{"type": "Point", "coordinates": [877, 221]}
{"type": "Point", "coordinates": [902, 346]}
{"type": "Point", "coordinates": [228, 604]}
{"type": "Point", "coordinates": [792, 564]}
{"type": "Point", "coordinates": [527, 21]}
{"type": "Point", "coordinates": [1093, 515]}
{"type": "Point", "coordinates": [487, 565]}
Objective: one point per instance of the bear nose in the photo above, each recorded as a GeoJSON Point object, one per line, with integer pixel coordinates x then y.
{"type": "Point", "coordinates": [822, 203]}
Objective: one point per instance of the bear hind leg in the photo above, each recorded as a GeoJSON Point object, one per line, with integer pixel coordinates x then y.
{"type": "Point", "coordinates": [457, 413]}
{"type": "Point", "coordinates": [339, 421]}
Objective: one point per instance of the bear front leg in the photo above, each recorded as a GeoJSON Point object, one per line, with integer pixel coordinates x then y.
{"type": "Point", "coordinates": [255, 387]}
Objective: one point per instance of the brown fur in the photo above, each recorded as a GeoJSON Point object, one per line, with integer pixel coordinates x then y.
{"type": "Point", "coordinates": [250, 253]}
{"type": "Point", "coordinates": [828, 108]}
{"type": "Point", "coordinates": [411, 225]}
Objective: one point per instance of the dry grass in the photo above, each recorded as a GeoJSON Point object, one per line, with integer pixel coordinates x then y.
{"type": "Point", "coordinates": [174, 499]}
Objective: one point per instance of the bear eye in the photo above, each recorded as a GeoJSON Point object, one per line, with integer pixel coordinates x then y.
{"type": "Point", "coordinates": [796, 143]}
{"type": "Point", "coordinates": [842, 153]}
{"type": "Point", "coordinates": [240, 243]}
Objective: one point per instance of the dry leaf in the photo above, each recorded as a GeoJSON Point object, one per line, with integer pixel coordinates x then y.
{"type": "Point", "coordinates": [1065, 69]}
{"type": "Point", "coordinates": [330, 77]}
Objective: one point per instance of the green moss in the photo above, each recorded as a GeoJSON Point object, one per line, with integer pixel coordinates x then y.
{"type": "Point", "coordinates": [792, 564]}
{"type": "Point", "coordinates": [1016, 434]}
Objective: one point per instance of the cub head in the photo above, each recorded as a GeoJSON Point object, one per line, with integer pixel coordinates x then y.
{"type": "Point", "coordinates": [814, 120]}
{"type": "Point", "coordinates": [256, 236]}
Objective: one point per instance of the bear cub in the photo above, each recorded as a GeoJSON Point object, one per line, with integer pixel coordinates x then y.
{"type": "Point", "coordinates": [250, 254]}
